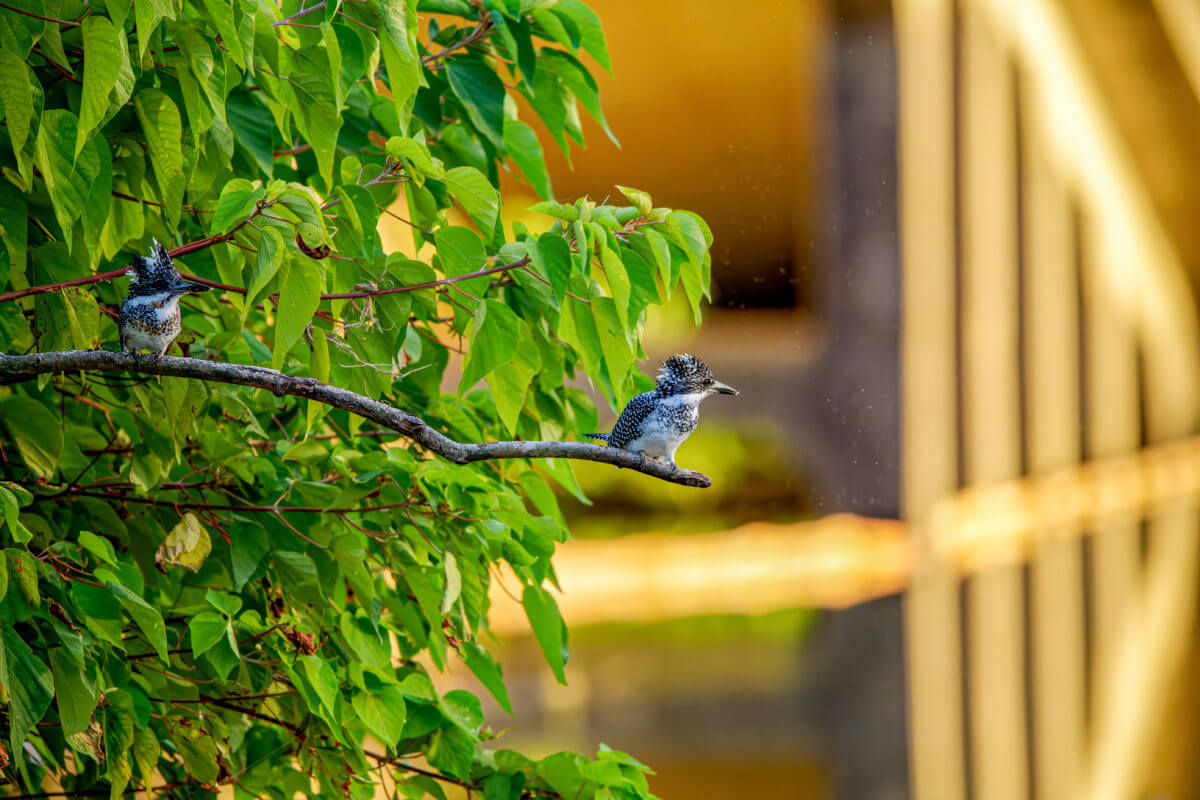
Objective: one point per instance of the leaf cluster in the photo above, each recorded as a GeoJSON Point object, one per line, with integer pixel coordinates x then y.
{"type": "Point", "coordinates": [201, 584]}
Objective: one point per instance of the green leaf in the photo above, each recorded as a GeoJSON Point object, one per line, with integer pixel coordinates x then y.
{"type": "Point", "coordinates": [83, 316]}
{"type": "Point", "coordinates": [299, 296]}
{"type": "Point", "coordinates": [510, 383]}
{"type": "Point", "coordinates": [555, 255]}
{"type": "Point", "coordinates": [22, 568]}
{"type": "Point", "coordinates": [416, 153]}
{"type": "Point", "coordinates": [146, 616]}
{"type": "Point", "coordinates": [482, 92]}
{"type": "Point", "coordinates": [382, 708]}
{"type": "Point", "coordinates": [461, 252]}
{"type": "Point", "coordinates": [76, 692]}
{"type": "Point", "coordinates": [619, 357]}
{"type": "Point", "coordinates": [548, 628]}
{"type": "Point", "coordinates": [68, 179]}
{"type": "Point", "coordinates": [453, 583]}
{"type": "Point", "coordinates": [14, 229]}
{"type": "Point", "coordinates": [18, 90]}
{"type": "Point", "coordinates": [580, 82]}
{"type": "Point", "coordinates": [558, 29]}
{"type": "Point", "coordinates": [98, 546]}
{"type": "Point", "coordinates": [318, 118]}
{"type": "Point", "coordinates": [618, 279]}
{"type": "Point", "coordinates": [638, 199]}
{"type": "Point", "coordinates": [488, 671]}
{"type": "Point", "coordinates": [187, 545]}
{"type": "Point", "coordinates": [36, 431]}
{"type": "Point", "coordinates": [102, 59]}
{"type": "Point", "coordinates": [146, 751]}
{"type": "Point", "coordinates": [27, 683]}
{"type": "Point", "coordinates": [271, 254]}
{"type": "Point", "coordinates": [451, 750]}
{"type": "Point", "coordinates": [522, 144]}
{"type": "Point", "coordinates": [478, 197]}
{"type": "Point", "coordinates": [237, 202]}
{"type": "Point", "coordinates": [494, 335]}
{"type": "Point", "coordinates": [591, 32]}
{"type": "Point", "coordinates": [250, 545]}
{"type": "Point", "coordinates": [163, 129]}
{"type": "Point", "coordinates": [398, 42]}
{"type": "Point", "coordinates": [318, 369]}
{"type": "Point", "coordinates": [320, 687]}
{"type": "Point", "coordinates": [148, 14]}
{"type": "Point", "coordinates": [205, 630]}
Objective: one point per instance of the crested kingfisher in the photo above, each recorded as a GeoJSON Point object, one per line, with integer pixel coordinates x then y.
{"type": "Point", "coordinates": [655, 423]}
{"type": "Point", "coordinates": [150, 318]}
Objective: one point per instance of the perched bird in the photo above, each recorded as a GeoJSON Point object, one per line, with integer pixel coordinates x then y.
{"type": "Point", "coordinates": [654, 424]}
{"type": "Point", "coordinates": [149, 318]}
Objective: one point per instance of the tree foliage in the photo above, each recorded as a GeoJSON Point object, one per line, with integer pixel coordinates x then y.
{"type": "Point", "coordinates": [203, 583]}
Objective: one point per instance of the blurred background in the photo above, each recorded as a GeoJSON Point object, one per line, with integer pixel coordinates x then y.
{"type": "Point", "coordinates": [951, 549]}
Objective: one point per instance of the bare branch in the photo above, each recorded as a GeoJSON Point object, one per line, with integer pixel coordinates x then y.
{"type": "Point", "coordinates": [14, 369]}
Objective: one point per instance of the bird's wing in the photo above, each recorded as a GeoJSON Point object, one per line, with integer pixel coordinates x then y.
{"type": "Point", "coordinates": [630, 422]}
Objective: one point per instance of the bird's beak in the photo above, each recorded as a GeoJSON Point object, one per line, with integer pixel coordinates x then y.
{"type": "Point", "coordinates": [721, 388]}
{"type": "Point", "coordinates": [190, 288]}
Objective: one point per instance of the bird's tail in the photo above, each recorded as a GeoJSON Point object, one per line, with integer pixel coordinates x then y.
{"type": "Point", "coordinates": [601, 436]}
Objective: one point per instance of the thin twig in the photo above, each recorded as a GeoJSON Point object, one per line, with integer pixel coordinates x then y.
{"type": "Point", "coordinates": [17, 368]}
{"type": "Point", "coordinates": [300, 13]}
{"type": "Point", "coordinates": [66, 23]}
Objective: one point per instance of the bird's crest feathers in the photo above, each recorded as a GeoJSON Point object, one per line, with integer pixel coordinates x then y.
{"type": "Point", "coordinates": [154, 273]}
{"type": "Point", "coordinates": [682, 373]}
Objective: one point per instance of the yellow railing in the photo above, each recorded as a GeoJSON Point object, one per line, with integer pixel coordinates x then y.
{"type": "Point", "coordinates": [1032, 257]}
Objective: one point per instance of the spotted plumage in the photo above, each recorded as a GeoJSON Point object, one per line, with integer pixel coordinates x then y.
{"type": "Point", "coordinates": [656, 423]}
{"type": "Point", "coordinates": [150, 318]}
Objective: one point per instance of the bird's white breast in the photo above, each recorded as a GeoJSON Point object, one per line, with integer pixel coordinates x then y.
{"type": "Point", "coordinates": [668, 426]}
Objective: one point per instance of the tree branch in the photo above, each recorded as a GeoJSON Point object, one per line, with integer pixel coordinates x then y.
{"type": "Point", "coordinates": [14, 369]}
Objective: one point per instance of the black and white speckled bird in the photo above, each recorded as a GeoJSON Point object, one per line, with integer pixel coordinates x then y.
{"type": "Point", "coordinates": [150, 318]}
{"type": "Point", "coordinates": [654, 424]}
